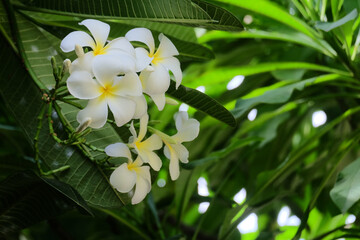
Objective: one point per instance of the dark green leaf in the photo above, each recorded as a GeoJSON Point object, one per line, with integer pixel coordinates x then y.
{"type": "Point", "coordinates": [23, 100]}
{"type": "Point", "coordinates": [222, 18]}
{"type": "Point", "coordinates": [174, 11]}
{"type": "Point", "coordinates": [202, 102]}
{"type": "Point", "coordinates": [25, 200]}
{"type": "Point", "coordinates": [69, 192]}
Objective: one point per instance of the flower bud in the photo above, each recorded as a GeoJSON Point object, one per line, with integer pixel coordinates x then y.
{"type": "Point", "coordinates": [79, 51]}
{"type": "Point", "coordinates": [171, 101]}
{"type": "Point", "coordinates": [84, 125]}
{"type": "Point", "coordinates": [66, 65]}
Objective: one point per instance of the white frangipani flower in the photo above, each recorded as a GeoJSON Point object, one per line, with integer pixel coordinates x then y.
{"type": "Point", "coordinates": [156, 79]}
{"type": "Point", "coordinates": [129, 174]}
{"type": "Point", "coordinates": [188, 130]}
{"type": "Point", "coordinates": [145, 149]}
{"type": "Point", "coordinates": [100, 32]}
{"type": "Point", "coordinates": [123, 94]}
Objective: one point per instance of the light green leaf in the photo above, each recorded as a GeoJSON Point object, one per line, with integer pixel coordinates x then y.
{"type": "Point", "coordinates": [277, 93]}
{"type": "Point", "coordinates": [294, 37]}
{"type": "Point", "coordinates": [346, 191]}
{"type": "Point", "coordinates": [225, 74]}
{"type": "Point", "coordinates": [202, 102]}
{"type": "Point", "coordinates": [174, 11]}
{"type": "Point", "coordinates": [272, 10]}
{"type": "Point", "coordinates": [328, 26]}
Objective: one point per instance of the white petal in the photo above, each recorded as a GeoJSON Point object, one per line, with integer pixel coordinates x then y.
{"type": "Point", "coordinates": [166, 47]}
{"type": "Point", "coordinates": [81, 85]}
{"type": "Point", "coordinates": [181, 152]}
{"type": "Point", "coordinates": [159, 100]}
{"type": "Point", "coordinates": [123, 179]}
{"type": "Point", "coordinates": [152, 158]}
{"type": "Point", "coordinates": [106, 67]}
{"type": "Point", "coordinates": [154, 142]}
{"type": "Point", "coordinates": [133, 132]}
{"type": "Point", "coordinates": [128, 85]}
{"type": "Point", "coordinates": [83, 63]}
{"type": "Point", "coordinates": [76, 38]}
{"type": "Point", "coordinates": [188, 132]}
{"type": "Point", "coordinates": [173, 65]}
{"type": "Point", "coordinates": [155, 82]}
{"type": "Point", "coordinates": [123, 109]}
{"type": "Point", "coordinates": [141, 190]}
{"type": "Point", "coordinates": [143, 35]}
{"type": "Point", "coordinates": [167, 152]}
{"type": "Point", "coordinates": [143, 126]}
{"type": "Point", "coordinates": [180, 118]}
{"type": "Point", "coordinates": [142, 59]}
{"type": "Point", "coordinates": [118, 150]}
{"type": "Point", "coordinates": [174, 163]}
{"type": "Point", "coordinates": [99, 30]}
{"type": "Point", "coordinates": [123, 44]}
{"type": "Point", "coordinates": [141, 106]}
{"type": "Point", "coordinates": [96, 110]}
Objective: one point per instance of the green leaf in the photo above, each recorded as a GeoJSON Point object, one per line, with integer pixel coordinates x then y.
{"type": "Point", "coordinates": [272, 10]}
{"type": "Point", "coordinates": [174, 11]}
{"type": "Point", "coordinates": [222, 18]}
{"type": "Point", "coordinates": [69, 192]}
{"type": "Point", "coordinates": [225, 74]}
{"type": "Point", "coordinates": [202, 102]}
{"type": "Point", "coordinates": [277, 93]}
{"type": "Point", "coordinates": [217, 155]}
{"type": "Point", "coordinates": [335, 8]}
{"type": "Point", "coordinates": [328, 26]}
{"type": "Point", "coordinates": [288, 36]}
{"type": "Point", "coordinates": [187, 50]}
{"type": "Point", "coordinates": [25, 199]}
{"type": "Point", "coordinates": [23, 99]}
{"type": "Point", "coordinates": [346, 191]}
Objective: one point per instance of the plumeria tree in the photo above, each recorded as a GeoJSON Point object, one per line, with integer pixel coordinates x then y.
{"type": "Point", "coordinates": [179, 119]}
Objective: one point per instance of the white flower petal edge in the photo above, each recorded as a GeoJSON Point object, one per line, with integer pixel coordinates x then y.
{"type": "Point", "coordinates": [145, 149]}
{"type": "Point", "coordinates": [188, 130]}
{"type": "Point", "coordinates": [96, 110]}
{"type": "Point", "coordinates": [76, 38]}
{"type": "Point", "coordinates": [143, 35]}
{"type": "Point", "coordinates": [81, 85]}
{"type": "Point", "coordinates": [129, 174]}
{"type": "Point", "coordinates": [99, 30]}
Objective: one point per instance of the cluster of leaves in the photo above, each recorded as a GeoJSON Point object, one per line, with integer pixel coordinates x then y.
{"type": "Point", "coordinates": [297, 57]}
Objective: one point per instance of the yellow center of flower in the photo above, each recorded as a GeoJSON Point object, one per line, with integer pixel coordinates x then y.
{"type": "Point", "coordinates": [99, 50]}
{"type": "Point", "coordinates": [133, 167]}
{"type": "Point", "coordinates": [107, 90]}
{"type": "Point", "coordinates": [156, 57]}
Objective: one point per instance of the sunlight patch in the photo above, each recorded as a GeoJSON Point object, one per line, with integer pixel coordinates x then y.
{"type": "Point", "coordinates": [318, 118]}
{"type": "Point", "coordinates": [235, 82]}
{"type": "Point", "coordinates": [240, 196]}
{"type": "Point", "coordinates": [249, 224]}
{"type": "Point", "coordinates": [252, 114]}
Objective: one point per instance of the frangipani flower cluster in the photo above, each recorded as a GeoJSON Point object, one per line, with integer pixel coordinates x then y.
{"type": "Point", "coordinates": [114, 75]}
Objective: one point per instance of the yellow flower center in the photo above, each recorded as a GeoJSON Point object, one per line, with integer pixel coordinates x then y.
{"type": "Point", "coordinates": [132, 167]}
{"type": "Point", "coordinates": [107, 90]}
{"type": "Point", "coordinates": [156, 57]}
{"type": "Point", "coordinates": [99, 50]}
